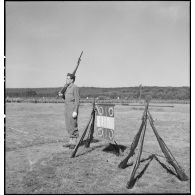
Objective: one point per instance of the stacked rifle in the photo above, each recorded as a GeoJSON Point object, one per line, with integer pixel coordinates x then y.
{"type": "Point", "coordinates": [140, 137]}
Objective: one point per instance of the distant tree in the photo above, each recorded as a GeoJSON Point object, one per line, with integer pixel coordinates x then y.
{"type": "Point", "coordinates": [103, 97]}
{"type": "Point", "coordinates": [31, 93]}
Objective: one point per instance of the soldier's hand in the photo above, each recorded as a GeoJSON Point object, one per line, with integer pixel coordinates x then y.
{"type": "Point", "coordinates": [60, 94]}
{"type": "Point", "coordinates": [74, 114]}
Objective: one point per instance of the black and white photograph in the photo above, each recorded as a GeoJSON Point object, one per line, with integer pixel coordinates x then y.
{"type": "Point", "coordinates": [97, 97]}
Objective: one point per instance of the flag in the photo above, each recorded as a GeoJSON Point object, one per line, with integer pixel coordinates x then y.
{"type": "Point", "coordinates": [105, 121]}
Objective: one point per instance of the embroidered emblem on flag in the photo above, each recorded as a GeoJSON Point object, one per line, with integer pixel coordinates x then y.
{"type": "Point", "coordinates": [105, 121]}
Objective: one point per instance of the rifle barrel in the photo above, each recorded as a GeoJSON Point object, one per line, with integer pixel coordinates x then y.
{"type": "Point", "coordinates": [77, 64]}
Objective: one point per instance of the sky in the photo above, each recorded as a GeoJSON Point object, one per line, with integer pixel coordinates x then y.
{"type": "Point", "coordinates": [124, 43]}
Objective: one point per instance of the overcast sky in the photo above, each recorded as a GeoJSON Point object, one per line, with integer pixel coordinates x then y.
{"type": "Point", "coordinates": [124, 43]}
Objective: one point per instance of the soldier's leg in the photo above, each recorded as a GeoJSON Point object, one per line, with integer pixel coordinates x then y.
{"type": "Point", "coordinates": [68, 125]}
{"type": "Point", "coordinates": [74, 132]}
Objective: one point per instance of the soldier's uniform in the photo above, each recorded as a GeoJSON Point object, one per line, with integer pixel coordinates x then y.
{"type": "Point", "coordinates": [71, 105]}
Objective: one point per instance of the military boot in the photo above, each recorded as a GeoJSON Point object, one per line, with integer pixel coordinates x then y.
{"type": "Point", "coordinates": [69, 143]}
{"type": "Point", "coordinates": [74, 143]}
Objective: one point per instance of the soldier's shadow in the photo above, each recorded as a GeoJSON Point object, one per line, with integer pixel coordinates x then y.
{"type": "Point", "coordinates": [88, 149]}
{"type": "Point", "coordinates": [107, 147]}
{"type": "Point", "coordinates": [114, 148]}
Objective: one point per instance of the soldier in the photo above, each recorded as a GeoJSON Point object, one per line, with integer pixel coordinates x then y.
{"type": "Point", "coordinates": [71, 110]}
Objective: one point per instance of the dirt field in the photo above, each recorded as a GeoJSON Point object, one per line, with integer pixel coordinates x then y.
{"type": "Point", "coordinates": [36, 162]}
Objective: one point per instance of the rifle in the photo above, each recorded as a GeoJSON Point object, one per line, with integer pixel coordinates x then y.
{"type": "Point", "coordinates": [91, 120]}
{"type": "Point", "coordinates": [123, 163]}
{"type": "Point", "coordinates": [170, 158]}
{"type": "Point", "coordinates": [91, 131]}
{"type": "Point", "coordinates": [74, 72]}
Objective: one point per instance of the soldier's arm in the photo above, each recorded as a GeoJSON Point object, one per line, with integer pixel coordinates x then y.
{"type": "Point", "coordinates": [76, 97]}
{"type": "Point", "coordinates": [62, 91]}
{"type": "Point", "coordinates": [64, 88]}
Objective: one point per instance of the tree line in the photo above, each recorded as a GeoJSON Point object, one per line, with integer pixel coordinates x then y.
{"type": "Point", "coordinates": [180, 93]}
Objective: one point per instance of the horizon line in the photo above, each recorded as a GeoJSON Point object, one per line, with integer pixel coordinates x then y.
{"type": "Point", "coordinates": [94, 87]}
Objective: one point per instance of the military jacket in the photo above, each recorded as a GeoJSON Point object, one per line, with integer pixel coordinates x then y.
{"type": "Point", "coordinates": [72, 96]}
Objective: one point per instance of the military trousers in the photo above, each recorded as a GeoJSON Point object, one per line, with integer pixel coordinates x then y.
{"type": "Point", "coordinates": [70, 122]}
